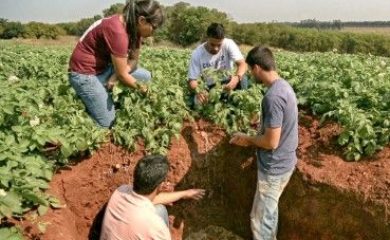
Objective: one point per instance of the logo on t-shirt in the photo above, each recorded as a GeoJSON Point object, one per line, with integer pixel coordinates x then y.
{"type": "Point", "coordinates": [219, 63]}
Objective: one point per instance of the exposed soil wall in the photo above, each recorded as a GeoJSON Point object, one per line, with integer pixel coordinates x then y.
{"type": "Point", "coordinates": [327, 197]}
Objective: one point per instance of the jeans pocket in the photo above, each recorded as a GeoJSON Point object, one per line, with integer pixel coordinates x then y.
{"type": "Point", "coordinates": [80, 82]}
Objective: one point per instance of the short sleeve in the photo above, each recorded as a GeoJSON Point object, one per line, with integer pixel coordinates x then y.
{"type": "Point", "coordinates": [194, 69]}
{"type": "Point", "coordinates": [234, 51]}
{"type": "Point", "coordinates": [116, 40]}
{"type": "Point", "coordinates": [273, 107]}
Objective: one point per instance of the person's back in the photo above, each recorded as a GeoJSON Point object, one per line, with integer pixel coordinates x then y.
{"type": "Point", "coordinates": [131, 216]}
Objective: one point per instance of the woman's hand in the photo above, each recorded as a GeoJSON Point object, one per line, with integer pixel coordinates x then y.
{"type": "Point", "coordinates": [143, 88]}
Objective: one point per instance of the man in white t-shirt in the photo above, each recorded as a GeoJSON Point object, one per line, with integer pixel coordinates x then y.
{"type": "Point", "coordinates": [137, 212]}
{"type": "Point", "coordinates": [219, 53]}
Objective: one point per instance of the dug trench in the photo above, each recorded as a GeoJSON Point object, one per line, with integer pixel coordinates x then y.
{"type": "Point", "coordinates": [327, 197]}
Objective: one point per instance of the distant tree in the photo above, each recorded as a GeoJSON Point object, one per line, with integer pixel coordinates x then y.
{"type": "Point", "coordinates": [34, 30]}
{"type": "Point", "coordinates": [337, 24]}
{"type": "Point", "coordinates": [3, 22]}
{"type": "Point", "coordinates": [188, 25]}
{"type": "Point", "coordinates": [41, 30]}
{"type": "Point", "coordinates": [12, 30]}
{"type": "Point", "coordinates": [78, 28]}
{"type": "Point", "coordinates": [113, 9]}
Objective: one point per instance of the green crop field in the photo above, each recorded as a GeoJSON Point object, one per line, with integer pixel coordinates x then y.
{"type": "Point", "coordinates": [43, 124]}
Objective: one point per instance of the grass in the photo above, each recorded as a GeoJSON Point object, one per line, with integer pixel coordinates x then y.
{"type": "Point", "coordinates": [368, 30]}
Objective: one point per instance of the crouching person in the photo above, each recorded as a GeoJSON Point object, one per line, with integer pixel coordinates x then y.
{"type": "Point", "coordinates": [138, 211]}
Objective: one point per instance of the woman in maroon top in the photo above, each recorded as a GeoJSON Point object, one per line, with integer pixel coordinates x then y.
{"type": "Point", "coordinates": [110, 48]}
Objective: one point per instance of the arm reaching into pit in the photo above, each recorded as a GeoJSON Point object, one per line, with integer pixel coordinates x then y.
{"type": "Point", "coordinates": [170, 197]}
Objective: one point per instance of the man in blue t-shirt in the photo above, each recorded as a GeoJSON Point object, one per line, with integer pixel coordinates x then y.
{"type": "Point", "coordinates": [276, 142]}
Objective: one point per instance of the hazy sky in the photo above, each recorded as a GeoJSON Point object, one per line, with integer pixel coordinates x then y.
{"type": "Point", "coordinates": [240, 10]}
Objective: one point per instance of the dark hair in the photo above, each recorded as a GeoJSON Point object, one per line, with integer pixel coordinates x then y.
{"type": "Point", "coordinates": [261, 56]}
{"type": "Point", "coordinates": [134, 9]}
{"type": "Point", "coordinates": [216, 30]}
{"type": "Point", "coordinates": [150, 172]}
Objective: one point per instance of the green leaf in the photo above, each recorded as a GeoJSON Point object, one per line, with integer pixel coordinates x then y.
{"type": "Point", "coordinates": [10, 203]}
{"type": "Point", "coordinates": [34, 198]}
{"type": "Point", "coordinates": [12, 233]}
{"type": "Point", "coordinates": [66, 151]}
{"type": "Point", "coordinates": [55, 203]}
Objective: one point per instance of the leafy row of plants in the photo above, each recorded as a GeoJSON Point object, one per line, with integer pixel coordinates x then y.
{"type": "Point", "coordinates": [352, 90]}
{"type": "Point", "coordinates": [157, 116]}
{"type": "Point", "coordinates": [43, 123]}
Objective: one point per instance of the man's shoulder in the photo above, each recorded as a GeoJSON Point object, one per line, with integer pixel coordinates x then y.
{"type": "Point", "coordinates": [229, 42]}
{"type": "Point", "coordinates": [120, 191]}
{"type": "Point", "coordinates": [198, 51]}
{"type": "Point", "coordinates": [280, 86]}
{"type": "Point", "coordinates": [279, 92]}
{"type": "Point", "coordinates": [125, 188]}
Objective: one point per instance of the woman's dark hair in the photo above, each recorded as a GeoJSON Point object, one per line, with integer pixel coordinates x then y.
{"type": "Point", "coordinates": [261, 56]}
{"type": "Point", "coordinates": [150, 172]}
{"type": "Point", "coordinates": [150, 9]}
{"type": "Point", "coordinates": [216, 30]}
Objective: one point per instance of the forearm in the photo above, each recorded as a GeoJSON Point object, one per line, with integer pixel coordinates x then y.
{"type": "Point", "coordinates": [127, 79]}
{"type": "Point", "coordinates": [132, 64]}
{"type": "Point", "coordinates": [169, 197]}
{"type": "Point", "coordinates": [259, 141]}
{"type": "Point", "coordinates": [241, 69]}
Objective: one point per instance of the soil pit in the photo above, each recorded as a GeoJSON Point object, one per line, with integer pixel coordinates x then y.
{"type": "Point", "coordinates": [327, 198]}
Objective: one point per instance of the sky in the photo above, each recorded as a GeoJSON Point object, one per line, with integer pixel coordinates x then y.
{"type": "Point", "coordinates": [54, 11]}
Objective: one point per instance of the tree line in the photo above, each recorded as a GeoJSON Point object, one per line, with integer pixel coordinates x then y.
{"type": "Point", "coordinates": [186, 25]}
{"type": "Point", "coordinates": [338, 24]}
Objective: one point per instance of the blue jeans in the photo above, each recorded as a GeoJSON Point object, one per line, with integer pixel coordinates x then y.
{"type": "Point", "coordinates": [95, 96]}
{"type": "Point", "coordinates": [161, 210]}
{"type": "Point", "coordinates": [264, 214]}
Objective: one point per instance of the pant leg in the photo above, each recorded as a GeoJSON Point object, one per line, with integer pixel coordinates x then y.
{"type": "Point", "coordinates": [93, 93]}
{"type": "Point", "coordinates": [192, 100]}
{"type": "Point", "coordinates": [161, 210]}
{"type": "Point", "coordinates": [244, 83]}
{"type": "Point", "coordinates": [141, 74]}
{"type": "Point", "coordinates": [264, 214]}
